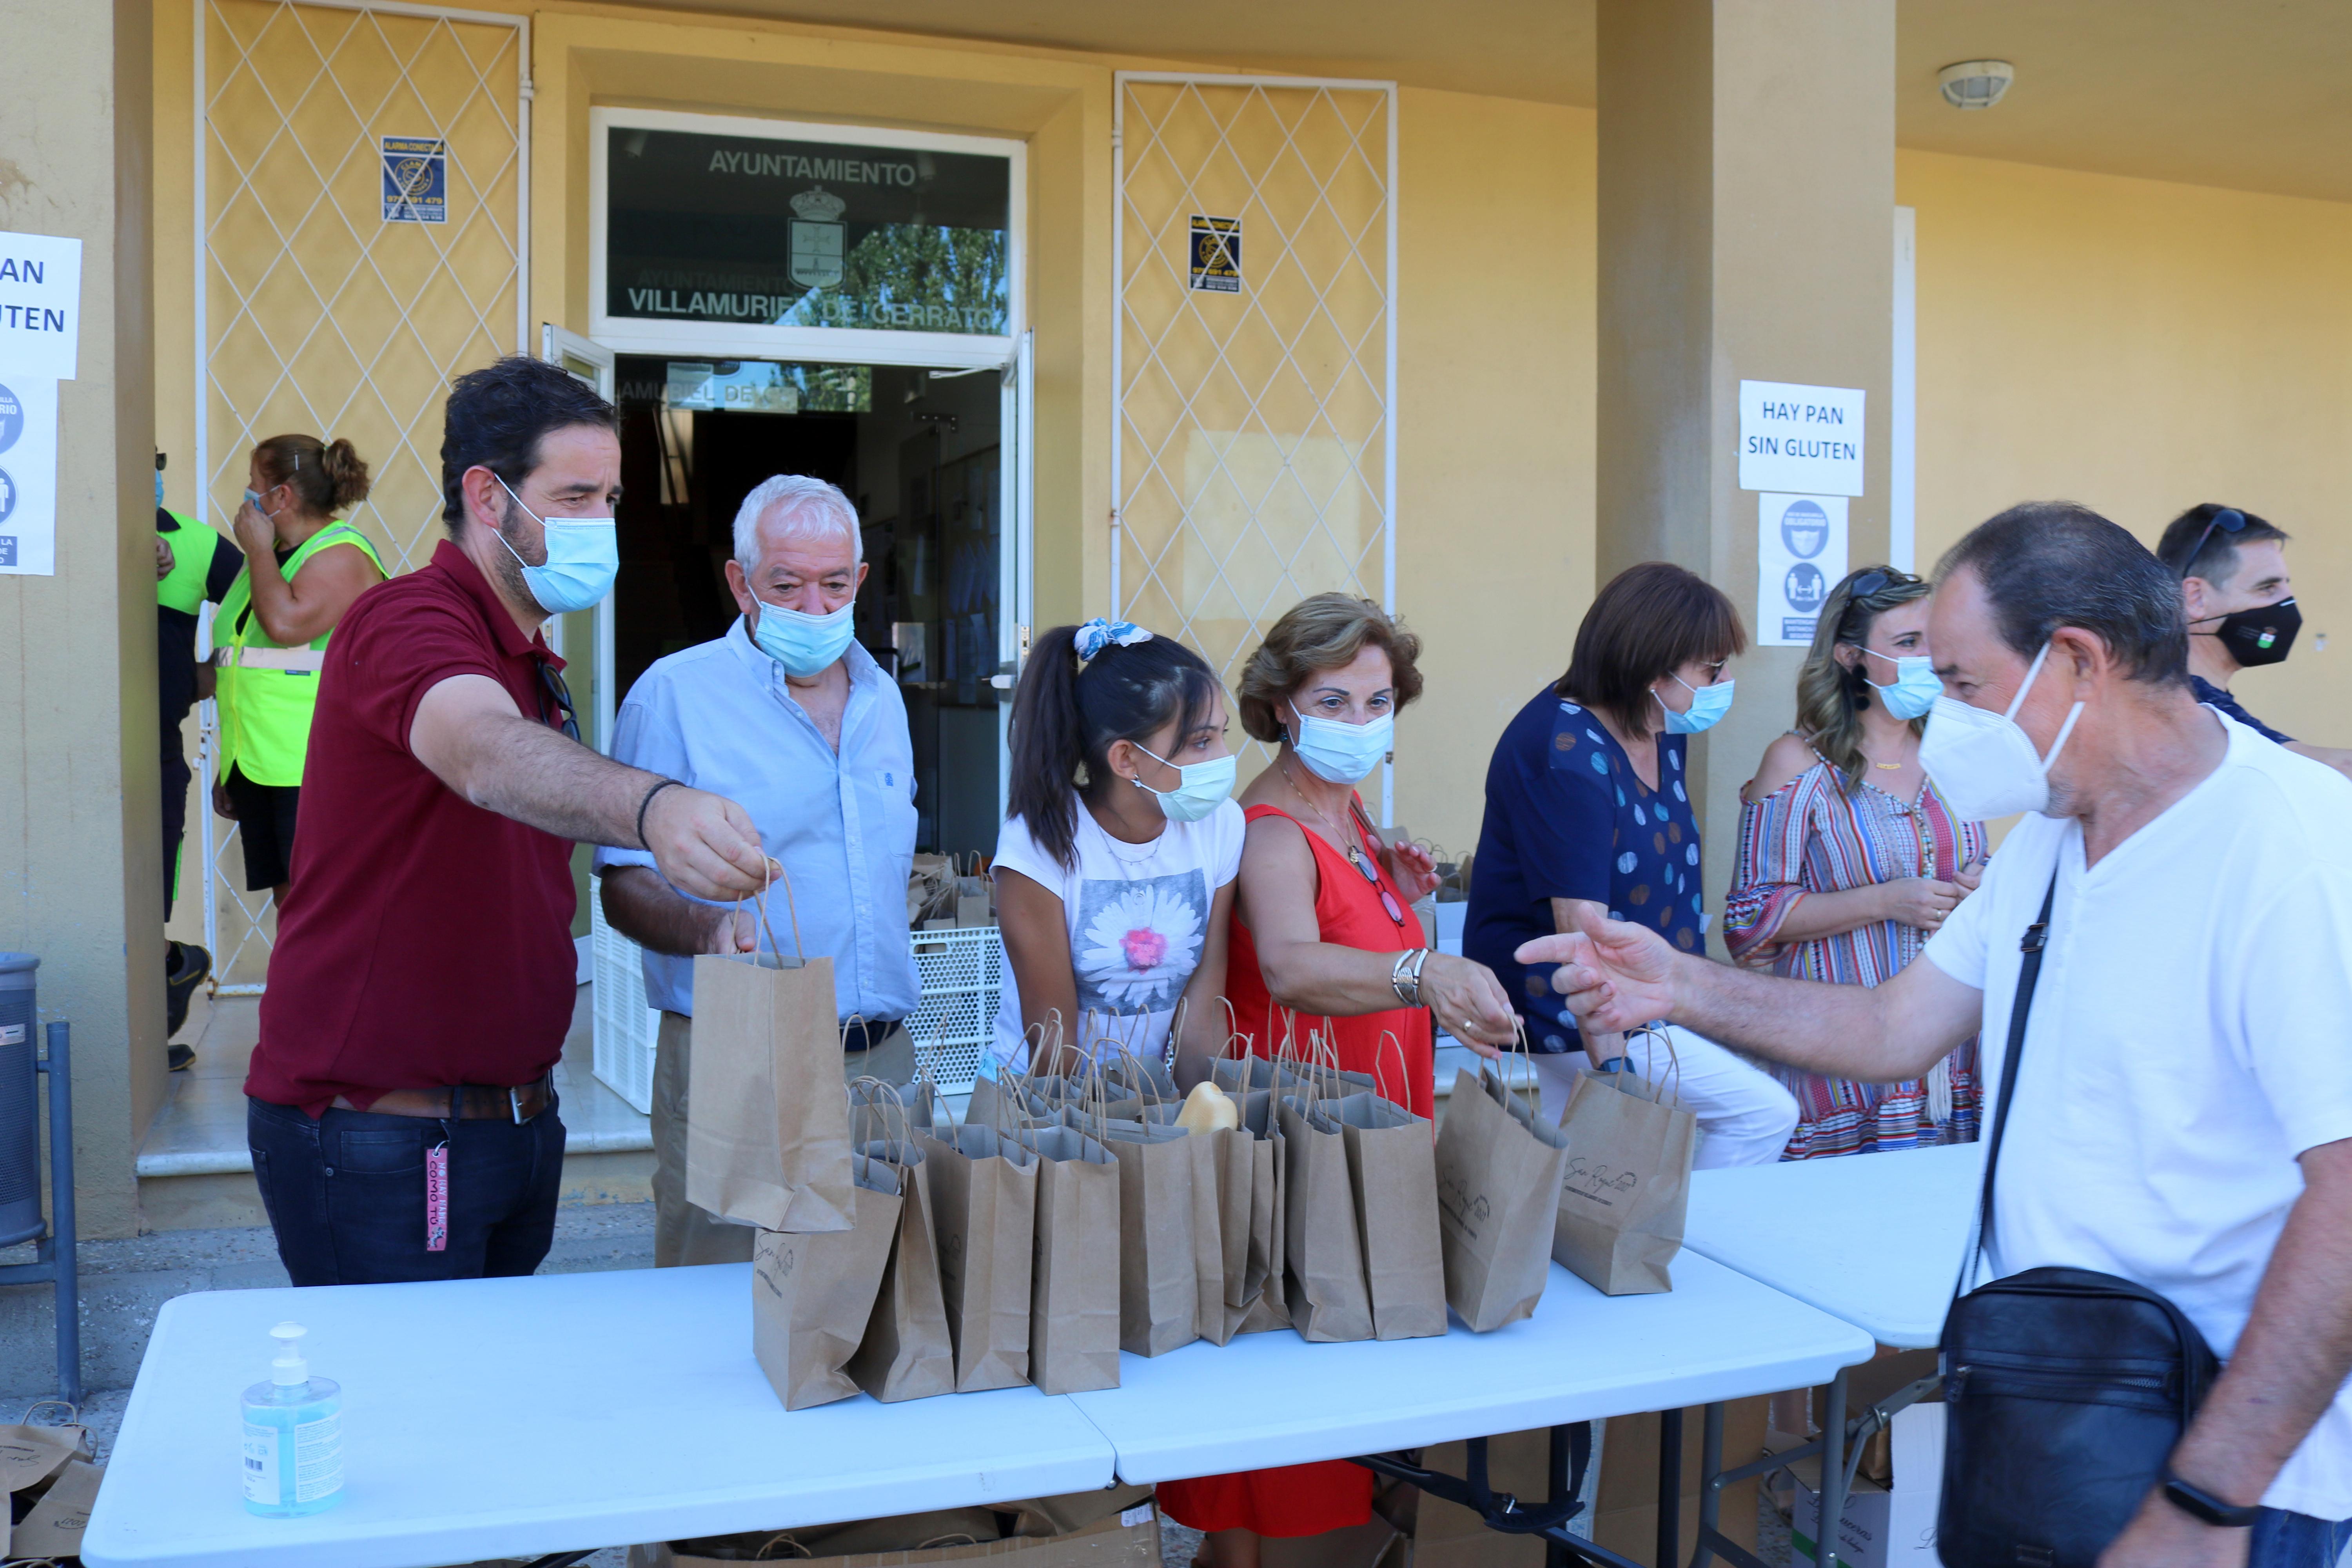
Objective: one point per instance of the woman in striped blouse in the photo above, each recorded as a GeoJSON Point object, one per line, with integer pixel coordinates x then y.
{"type": "Point", "coordinates": [1849, 857]}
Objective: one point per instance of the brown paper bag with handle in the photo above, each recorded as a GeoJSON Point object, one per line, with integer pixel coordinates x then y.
{"type": "Point", "coordinates": [1329, 1298]}
{"type": "Point", "coordinates": [1499, 1175]}
{"type": "Point", "coordinates": [983, 1192]}
{"type": "Point", "coordinates": [1159, 1172]}
{"type": "Point", "coordinates": [767, 1142]}
{"type": "Point", "coordinates": [1268, 1301]}
{"type": "Point", "coordinates": [1237, 1069]}
{"type": "Point", "coordinates": [1392, 1159]}
{"type": "Point", "coordinates": [1627, 1186]}
{"type": "Point", "coordinates": [907, 1352]}
{"type": "Point", "coordinates": [1074, 1277]}
{"type": "Point", "coordinates": [813, 1296]}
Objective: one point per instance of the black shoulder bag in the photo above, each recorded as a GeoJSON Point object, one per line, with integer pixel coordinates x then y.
{"type": "Point", "coordinates": [2065, 1389]}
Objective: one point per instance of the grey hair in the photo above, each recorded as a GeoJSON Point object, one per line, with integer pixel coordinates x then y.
{"type": "Point", "coordinates": [812, 510]}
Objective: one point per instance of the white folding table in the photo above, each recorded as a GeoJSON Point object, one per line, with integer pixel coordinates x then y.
{"type": "Point", "coordinates": [560, 1412]}
{"type": "Point", "coordinates": [1273, 1399]}
{"type": "Point", "coordinates": [1874, 1240]}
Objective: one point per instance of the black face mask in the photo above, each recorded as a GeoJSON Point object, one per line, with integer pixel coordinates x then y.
{"type": "Point", "coordinates": [2262, 634]}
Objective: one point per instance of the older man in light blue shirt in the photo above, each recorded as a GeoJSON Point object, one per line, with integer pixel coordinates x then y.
{"type": "Point", "coordinates": [789, 717]}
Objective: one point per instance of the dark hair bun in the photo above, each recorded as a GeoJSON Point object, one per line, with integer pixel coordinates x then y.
{"type": "Point", "coordinates": [346, 476]}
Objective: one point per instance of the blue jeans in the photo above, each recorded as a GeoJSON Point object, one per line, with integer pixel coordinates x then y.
{"type": "Point", "coordinates": [2284, 1540]}
{"type": "Point", "coordinates": [346, 1193]}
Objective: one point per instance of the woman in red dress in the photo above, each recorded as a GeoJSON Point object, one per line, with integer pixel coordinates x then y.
{"type": "Point", "coordinates": [1324, 930]}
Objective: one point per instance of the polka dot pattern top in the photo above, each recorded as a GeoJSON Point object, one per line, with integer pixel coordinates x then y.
{"type": "Point", "coordinates": [1568, 817]}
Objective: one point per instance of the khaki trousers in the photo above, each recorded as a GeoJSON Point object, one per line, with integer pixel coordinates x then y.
{"type": "Point", "coordinates": [684, 1234]}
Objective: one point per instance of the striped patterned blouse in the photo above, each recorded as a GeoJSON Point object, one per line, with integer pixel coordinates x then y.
{"type": "Point", "coordinates": [1810, 836]}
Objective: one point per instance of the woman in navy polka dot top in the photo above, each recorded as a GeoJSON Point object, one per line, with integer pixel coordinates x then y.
{"type": "Point", "coordinates": [1588, 806]}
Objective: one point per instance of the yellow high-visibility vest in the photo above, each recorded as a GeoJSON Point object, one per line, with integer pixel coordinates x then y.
{"type": "Point", "coordinates": [268, 693]}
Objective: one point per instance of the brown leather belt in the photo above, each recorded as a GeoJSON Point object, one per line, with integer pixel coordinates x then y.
{"type": "Point", "coordinates": [475, 1102]}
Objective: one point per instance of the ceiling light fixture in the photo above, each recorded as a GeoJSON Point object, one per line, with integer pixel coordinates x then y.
{"type": "Point", "coordinates": [1974, 84]}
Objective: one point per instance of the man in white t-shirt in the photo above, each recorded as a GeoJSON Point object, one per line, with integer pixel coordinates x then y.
{"type": "Point", "coordinates": [2183, 1110]}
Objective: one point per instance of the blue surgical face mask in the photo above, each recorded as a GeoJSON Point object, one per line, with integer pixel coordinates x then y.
{"type": "Point", "coordinates": [804, 643]}
{"type": "Point", "coordinates": [159, 490]}
{"type": "Point", "coordinates": [1916, 688]}
{"type": "Point", "coordinates": [584, 556]}
{"type": "Point", "coordinates": [1709, 704]}
{"type": "Point", "coordinates": [1204, 786]}
{"type": "Point", "coordinates": [1338, 752]}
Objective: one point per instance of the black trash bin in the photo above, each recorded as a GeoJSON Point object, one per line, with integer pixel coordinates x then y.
{"type": "Point", "coordinates": [20, 1103]}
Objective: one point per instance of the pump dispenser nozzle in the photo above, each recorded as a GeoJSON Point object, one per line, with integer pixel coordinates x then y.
{"type": "Point", "coordinates": [289, 1367]}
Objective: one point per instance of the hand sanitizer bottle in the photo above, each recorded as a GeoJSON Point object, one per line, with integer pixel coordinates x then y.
{"type": "Point", "coordinates": [293, 1436]}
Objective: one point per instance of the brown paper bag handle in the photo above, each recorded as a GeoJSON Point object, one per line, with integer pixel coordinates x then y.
{"type": "Point", "coordinates": [1389, 1042]}
{"type": "Point", "coordinates": [873, 1097]}
{"type": "Point", "coordinates": [785, 1538]}
{"type": "Point", "coordinates": [792, 908]}
{"type": "Point", "coordinates": [1675, 1064]}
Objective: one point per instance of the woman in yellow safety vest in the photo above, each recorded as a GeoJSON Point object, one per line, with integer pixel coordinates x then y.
{"type": "Point", "coordinates": [270, 635]}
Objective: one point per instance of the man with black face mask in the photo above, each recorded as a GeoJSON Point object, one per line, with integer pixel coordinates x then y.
{"type": "Point", "coordinates": [2241, 605]}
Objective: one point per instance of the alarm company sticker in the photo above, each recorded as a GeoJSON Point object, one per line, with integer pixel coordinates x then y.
{"type": "Point", "coordinates": [415, 179]}
{"type": "Point", "coordinates": [1217, 255]}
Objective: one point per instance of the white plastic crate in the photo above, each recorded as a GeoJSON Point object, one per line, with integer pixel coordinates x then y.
{"type": "Point", "coordinates": [962, 975]}
{"type": "Point", "coordinates": [625, 1027]}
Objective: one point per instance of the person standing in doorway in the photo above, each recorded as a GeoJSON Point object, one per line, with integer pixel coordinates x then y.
{"type": "Point", "coordinates": [194, 566]}
{"type": "Point", "coordinates": [304, 567]}
{"type": "Point", "coordinates": [789, 716]}
{"type": "Point", "coordinates": [2240, 606]}
{"type": "Point", "coordinates": [401, 1107]}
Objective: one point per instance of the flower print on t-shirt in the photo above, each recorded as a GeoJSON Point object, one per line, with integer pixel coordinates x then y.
{"type": "Point", "coordinates": [1137, 943]}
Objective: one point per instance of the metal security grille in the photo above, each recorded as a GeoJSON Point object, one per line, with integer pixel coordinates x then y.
{"type": "Point", "coordinates": [316, 313]}
{"type": "Point", "coordinates": [1255, 357]}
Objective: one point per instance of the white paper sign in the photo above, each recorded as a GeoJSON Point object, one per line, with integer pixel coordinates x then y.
{"type": "Point", "coordinates": [1805, 438]}
{"type": "Point", "coordinates": [29, 475]}
{"type": "Point", "coordinates": [1799, 556]}
{"type": "Point", "coordinates": [40, 307]}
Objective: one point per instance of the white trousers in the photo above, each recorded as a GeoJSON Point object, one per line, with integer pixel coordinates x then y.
{"type": "Point", "coordinates": [1744, 1117]}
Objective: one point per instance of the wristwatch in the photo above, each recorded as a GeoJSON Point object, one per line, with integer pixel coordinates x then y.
{"type": "Point", "coordinates": [2195, 1499]}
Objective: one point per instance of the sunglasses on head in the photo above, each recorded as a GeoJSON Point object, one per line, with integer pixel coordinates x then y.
{"type": "Point", "coordinates": [1875, 580]}
{"type": "Point", "coordinates": [2229, 519]}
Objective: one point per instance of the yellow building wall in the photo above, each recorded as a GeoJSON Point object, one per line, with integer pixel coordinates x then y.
{"type": "Point", "coordinates": [1494, 313]}
{"type": "Point", "coordinates": [2139, 347]}
{"type": "Point", "coordinates": [1496, 357]}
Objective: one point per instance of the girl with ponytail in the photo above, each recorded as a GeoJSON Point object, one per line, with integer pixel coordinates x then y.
{"type": "Point", "coordinates": [1115, 870]}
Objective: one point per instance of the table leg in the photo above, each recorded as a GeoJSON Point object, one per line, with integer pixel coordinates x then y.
{"type": "Point", "coordinates": [1832, 1511]}
{"type": "Point", "coordinates": [1555, 1555]}
{"type": "Point", "coordinates": [1670, 1488]}
{"type": "Point", "coordinates": [1710, 1495]}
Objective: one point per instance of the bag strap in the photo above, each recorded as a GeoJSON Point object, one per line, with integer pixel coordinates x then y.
{"type": "Point", "coordinates": [2021, 1008]}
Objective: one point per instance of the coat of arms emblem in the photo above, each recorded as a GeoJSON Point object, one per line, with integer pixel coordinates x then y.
{"type": "Point", "coordinates": [818, 235]}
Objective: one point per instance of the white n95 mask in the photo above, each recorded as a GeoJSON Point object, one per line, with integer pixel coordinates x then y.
{"type": "Point", "coordinates": [1983, 761]}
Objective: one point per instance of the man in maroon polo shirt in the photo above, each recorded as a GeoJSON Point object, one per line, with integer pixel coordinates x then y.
{"type": "Point", "coordinates": [399, 1107]}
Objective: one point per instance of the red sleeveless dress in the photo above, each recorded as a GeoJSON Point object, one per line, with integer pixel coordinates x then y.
{"type": "Point", "coordinates": [1308, 1500]}
{"type": "Point", "coordinates": [1349, 914]}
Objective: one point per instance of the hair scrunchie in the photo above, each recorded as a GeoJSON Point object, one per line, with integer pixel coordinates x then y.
{"type": "Point", "coordinates": [1100, 633]}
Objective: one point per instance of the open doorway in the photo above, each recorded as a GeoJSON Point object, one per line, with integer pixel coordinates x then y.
{"type": "Point", "coordinates": [919, 453]}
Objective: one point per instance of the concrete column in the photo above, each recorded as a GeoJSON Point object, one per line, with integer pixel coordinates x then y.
{"type": "Point", "coordinates": [80, 857]}
{"type": "Point", "coordinates": [1747, 195]}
